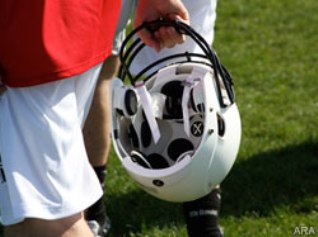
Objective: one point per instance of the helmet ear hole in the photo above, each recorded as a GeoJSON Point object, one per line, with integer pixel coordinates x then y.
{"type": "Point", "coordinates": [221, 126]}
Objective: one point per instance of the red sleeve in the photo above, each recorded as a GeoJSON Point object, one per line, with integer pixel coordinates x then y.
{"type": "Point", "coordinates": [47, 40]}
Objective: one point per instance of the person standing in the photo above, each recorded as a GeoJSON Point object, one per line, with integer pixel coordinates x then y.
{"type": "Point", "coordinates": [51, 55]}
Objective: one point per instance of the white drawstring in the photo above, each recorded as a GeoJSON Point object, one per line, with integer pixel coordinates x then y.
{"type": "Point", "coordinates": [188, 83]}
{"type": "Point", "coordinates": [146, 104]}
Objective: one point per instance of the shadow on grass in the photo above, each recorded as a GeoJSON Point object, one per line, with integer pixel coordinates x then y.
{"type": "Point", "coordinates": [256, 185]}
{"type": "Point", "coordinates": [137, 210]}
{"type": "Point", "coordinates": [260, 184]}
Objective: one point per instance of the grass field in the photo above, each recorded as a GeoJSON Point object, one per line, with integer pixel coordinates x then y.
{"type": "Point", "coordinates": [271, 49]}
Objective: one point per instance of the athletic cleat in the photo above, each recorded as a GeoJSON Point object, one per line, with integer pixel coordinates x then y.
{"type": "Point", "coordinates": [219, 232]}
{"type": "Point", "coordinates": [99, 230]}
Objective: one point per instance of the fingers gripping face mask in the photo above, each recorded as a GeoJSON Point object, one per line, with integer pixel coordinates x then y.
{"type": "Point", "coordinates": [175, 126]}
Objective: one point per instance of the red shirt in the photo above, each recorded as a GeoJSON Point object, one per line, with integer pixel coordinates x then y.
{"type": "Point", "coordinates": [47, 40]}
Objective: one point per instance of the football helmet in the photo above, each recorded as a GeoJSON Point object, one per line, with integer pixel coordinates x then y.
{"type": "Point", "coordinates": [175, 125]}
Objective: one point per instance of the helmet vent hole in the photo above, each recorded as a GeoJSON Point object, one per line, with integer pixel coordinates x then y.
{"type": "Point", "coordinates": [178, 147]}
{"type": "Point", "coordinates": [184, 70]}
{"type": "Point", "coordinates": [157, 161]}
{"type": "Point", "coordinates": [173, 90]}
{"type": "Point", "coordinates": [158, 183]}
{"type": "Point", "coordinates": [133, 136]}
{"type": "Point", "coordinates": [221, 126]}
{"type": "Point", "coordinates": [131, 102]}
{"type": "Point", "coordinates": [200, 108]}
{"type": "Point", "coordinates": [146, 134]}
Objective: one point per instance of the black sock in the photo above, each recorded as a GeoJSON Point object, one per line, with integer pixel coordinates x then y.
{"type": "Point", "coordinates": [98, 210]}
{"type": "Point", "coordinates": [202, 215]}
{"type": "Point", "coordinates": [101, 172]}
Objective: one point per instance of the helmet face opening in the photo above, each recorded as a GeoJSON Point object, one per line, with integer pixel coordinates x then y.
{"type": "Point", "coordinates": [167, 93]}
{"type": "Point", "coordinates": [176, 130]}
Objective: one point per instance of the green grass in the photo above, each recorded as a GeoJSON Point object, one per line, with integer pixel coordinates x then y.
{"type": "Point", "coordinates": [271, 49]}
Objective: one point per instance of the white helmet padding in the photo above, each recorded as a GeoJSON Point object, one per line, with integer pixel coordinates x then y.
{"type": "Point", "coordinates": [174, 136]}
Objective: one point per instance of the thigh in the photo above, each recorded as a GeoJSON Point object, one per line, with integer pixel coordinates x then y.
{"type": "Point", "coordinates": [73, 226]}
{"type": "Point", "coordinates": [44, 166]}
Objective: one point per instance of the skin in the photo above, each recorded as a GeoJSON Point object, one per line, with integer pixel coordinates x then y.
{"type": "Point", "coordinates": [65, 227]}
{"type": "Point", "coordinates": [97, 134]}
{"type": "Point", "coordinates": [165, 37]}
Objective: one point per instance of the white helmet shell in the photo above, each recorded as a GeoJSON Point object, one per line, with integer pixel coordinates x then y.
{"type": "Point", "coordinates": [177, 133]}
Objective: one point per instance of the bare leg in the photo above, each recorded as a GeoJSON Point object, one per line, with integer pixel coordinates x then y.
{"type": "Point", "coordinates": [73, 226]}
{"type": "Point", "coordinates": [97, 126]}
{"type": "Point", "coordinates": [97, 136]}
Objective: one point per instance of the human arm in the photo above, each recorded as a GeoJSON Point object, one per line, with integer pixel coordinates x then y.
{"type": "Point", "coordinates": [149, 10]}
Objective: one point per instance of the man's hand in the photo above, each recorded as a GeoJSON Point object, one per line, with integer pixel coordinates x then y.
{"type": "Point", "coordinates": [164, 37]}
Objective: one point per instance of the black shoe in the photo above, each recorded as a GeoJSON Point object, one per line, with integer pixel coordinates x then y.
{"type": "Point", "coordinates": [217, 232]}
{"type": "Point", "coordinates": [202, 216]}
{"type": "Point", "coordinates": [99, 230]}
{"type": "Point", "coordinates": [97, 218]}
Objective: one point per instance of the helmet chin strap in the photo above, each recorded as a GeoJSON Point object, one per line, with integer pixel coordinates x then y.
{"type": "Point", "coordinates": [188, 83]}
{"type": "Point", "coordinates": [146, 104]}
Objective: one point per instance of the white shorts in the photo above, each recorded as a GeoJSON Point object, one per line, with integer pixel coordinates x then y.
{"type": "Point", "coordinates": [202, 16]}
{"type": "Point", "coordinates": [44, 169]}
